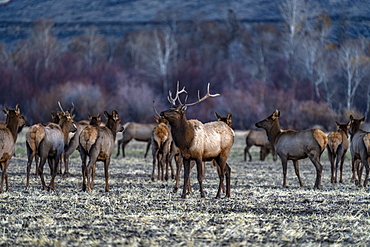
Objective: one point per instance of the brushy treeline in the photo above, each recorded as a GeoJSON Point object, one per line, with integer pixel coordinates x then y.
{"type": "Point", "coordinates": [256, 68]}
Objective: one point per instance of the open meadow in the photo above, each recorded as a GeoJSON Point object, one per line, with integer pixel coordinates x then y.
{"type": "Point", "coordinates": [139, 212]}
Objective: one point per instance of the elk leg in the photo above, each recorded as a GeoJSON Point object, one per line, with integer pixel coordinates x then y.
{"type": "Point", "coordinates": [284, 163]}
{"type": "Point", "coordinates": [119, 143]}
{"type": "Point", "coordinates": [341, 168]}
{"type": "Point", "coordinates": [147, 148]}
{"type": "Point", "coordinates": [228, 180]}
{"type": "Point", "coordinates": [221, 164]}
{"type": "Point", "coordinates": [359, 169]}
{"type": "Point", "coordinates": [41, 172]}
{"type": "Point", "coordinates": [354, 165]}
{"type": "Point", "coordinates": [296, 169]}
{"type": "Point", "coordinates": [6, 175]}
{"type": "Point", "coordinates": [315, 160]}
{"type": "Point", "coordinates": [29, 162]}
{"type": "Point", "coordinates": [154, 165]}
{"type": "Point", "coordinates": [54, 166]}
{"type": "Point", "coordinates": [246, 151]}
{"type": "Point", "coordinates": [200, 171]}
{"type": "Point", "coordinates": [177, 176]}
{"type": "Point", "coordinates": [186, 177]}
{"type": "Point", "coordinates": [106, 166]}
{"type": "Point", "coordinates": [93, 173]}
{"type": "Point", "coordinates": [83, 169]}
{"type": "Point", "coordinates": [66, 161]}
{"type": "Point", "coordinates": [332, 167]}
{"type": "Point", "coordinates": [37, 159]}
{"type": "Point", "coordinates": [367, 171]}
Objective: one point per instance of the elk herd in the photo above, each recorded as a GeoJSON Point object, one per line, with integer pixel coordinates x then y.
{"type": "Point", "coordinates": [189, 142]}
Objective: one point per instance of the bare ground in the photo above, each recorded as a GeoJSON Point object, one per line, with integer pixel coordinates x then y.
{"type": "Point", "coordinates": [138, 212]}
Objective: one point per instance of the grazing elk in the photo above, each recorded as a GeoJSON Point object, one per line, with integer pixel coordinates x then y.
{"type": "Point", "coordinates": [48, 142]}
{"type": "Point", "coordinates": [74, 142]}
{"type": "Point", "coordinates": [259, 139]}
{"type": "Point", "coordinates": [97, 142]}
{"type": "Point", "coordinates": [137, 131]}
{"type": "Point", "coordinates": [8, 137]}
{"type": "Point", "coordinates": [337, 148]}
{"type": "Point", "coordinates": [200, 142]}
{"type": "Point", "coordinates": [360, 149]}
{"type": "Point", "coordinates": [295, 145]}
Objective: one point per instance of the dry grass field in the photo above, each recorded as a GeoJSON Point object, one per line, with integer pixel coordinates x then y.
{"type": "Point", "coordinates": [138, 212]}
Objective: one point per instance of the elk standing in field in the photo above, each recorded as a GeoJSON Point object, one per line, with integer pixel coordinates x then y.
{"type": "Point", "coordinates": [360, 149]}
{"type": "Point", "coordinates": [8, 137]}
{"type": "Point", "coordinates": [137, 131]}
{"type": "Point", "coordinates": [295, 145]}
{"type": "Point", "coordinates": [97, 142]}
{"type": "Point", "coordinates": [75, 140]}
{"type": "Point", "coordinates": [200, 142]}
{"type": "Point", "coordinates": [337, 148]}
{"type": "Point", "coordinates": [259, 139]}
{"type": "Point", "coordinates": [48, 142]}
{"type": "Point", "coordinates": [161, 147]}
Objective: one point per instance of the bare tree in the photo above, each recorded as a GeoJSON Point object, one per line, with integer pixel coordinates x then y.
{"type": "Point", "coordinates": [354, 67]}
{"type": "Point", "coordinates": [91, 46]}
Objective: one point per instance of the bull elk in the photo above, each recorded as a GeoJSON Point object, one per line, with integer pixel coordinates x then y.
{"type": "Point", "coordinates": [200, 142]}
{"type": "Point", "coordinates": [337, 148]}
{"type": "Point", "coordinates": [97, 143]}
{"type": "Point", "coordinates": [48, 142]}
{"type": "Point", "coordinates": [137, 131]}
{"type": "Point", "coordinates": [259, 139]}
{"type": "Point", "coordinates": [8, 137]}
{"type": "Point", "coordinates": [295, 145]}
{"type": "Point", "coordinates": [360, 149]}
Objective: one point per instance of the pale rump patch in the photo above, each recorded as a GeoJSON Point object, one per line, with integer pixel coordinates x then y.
{"type": "Point", "coordinates": [88, 137]}
{"type": "Point", "coordinates": [321, 138]}
{"type": "Point", "coordinates": [160, 133]}
{"type": "Point", "coordinates": [334, 140]}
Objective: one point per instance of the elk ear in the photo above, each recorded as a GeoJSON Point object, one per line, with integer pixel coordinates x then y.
{"type": "Point", "coordinates": [106, 114]}
{"type": "Point", "coordinates": [362, 120]}
{"type": "Point", "coordinates": [183, 108]}
{"type": "Point", "coordinates": [351, 117]}
{"type": "Point", "coordinates": [229, 116]}
{"type": "Point", "coordinates": [98, 116]}
{"type": "Point", "coordinates": [337, 123]}
{"type": "Point", "coordinates": [276, 114]}
{"type": "Point", "coordinates": [17, 109]}
{"type": "Point", "coordinates": [6, 109]}
{"type": "Point", "coordinates": [217, 116]}
{"type": "Point", "coordinates": [156, 118]}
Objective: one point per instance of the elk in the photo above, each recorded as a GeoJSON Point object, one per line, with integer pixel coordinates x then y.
{"type": "Point", "coordinates": [200, 142]}
{"type": "Point", "coordinates": [137, 131]}
{"type": "Point", "coordinates": [8, 137]}
{"type": "Point", "coordinates": [97, 143]}
{"type": "Point", "coordinates": [48, 142]}
{"type": "Point", "coordinates": [161, 146]}
{"type": "Point", "coordinates": [295, 145]}
{"type": "Point", "coordinates": [259, 139]}
{"type": "Point", "coordinates": [74, 142]}
{"type": "Point", "coordinates": [337, 148]}
{"type": "Point", "coordinates": [360, 149]}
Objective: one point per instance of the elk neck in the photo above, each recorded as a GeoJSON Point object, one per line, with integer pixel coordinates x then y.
{"type": "Point", "coordinates": [112, 126]}
{"type": "Point", "coordinates": [273, 132]}
{"type": "Point", "coordinates": [12, 123]}
{"type": "Point", "coordinates": [182, 132]}
{"type": "Point", "coordinates": [65, 125]}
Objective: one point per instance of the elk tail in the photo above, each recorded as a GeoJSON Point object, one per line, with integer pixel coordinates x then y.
{"type": "Point", "coordinates": [366, 140]}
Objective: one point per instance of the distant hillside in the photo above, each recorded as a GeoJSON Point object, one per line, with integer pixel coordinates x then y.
{"type": "Point", "coordinates": [115, 17]}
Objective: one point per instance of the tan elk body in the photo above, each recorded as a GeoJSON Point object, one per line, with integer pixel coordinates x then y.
{"type": "Point", "coordinates": [360, 149]}
{"type": "Point", "coordinates": [295, 145]}
{"type": "Point", "coordinates": [337, 148]}
{"type": "Point", "coordinates": [8, 137]}
{"type": "Point", "coordinates": [97, 143]}
{"type": "Point", "coordinates": [137, 131]}
{"type": "Point", "coordinates": [258, 138]}
{"type": "Point", "coordinates": [200, 142]}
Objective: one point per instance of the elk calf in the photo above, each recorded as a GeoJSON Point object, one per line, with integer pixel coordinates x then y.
{"type": "Point", "coordinates": [360, 149]}
{"type": "Point", "coordinates": [337, 148]}
{"type": "Point", "coordinates": [8, 137]}
{"type": "Point", "coordinates": [200, 142]}
{"type": "Point", "coordinates": [295, 145]}
{"type": "Point", "coordinates": [97, 143]}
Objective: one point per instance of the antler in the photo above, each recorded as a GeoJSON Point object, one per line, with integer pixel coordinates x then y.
{"type": "Point", "coordinates": [173, 100]}
{"type": "Point", "coordinates": [155, 110]}
{"type": "Point", "coordinates": [204, 97]}
{"type": "Point", "coordinates": [60, 106]}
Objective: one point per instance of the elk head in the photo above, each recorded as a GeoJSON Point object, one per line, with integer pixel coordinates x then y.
{"type": "Point", "coordinates": [355, 124]}
{"type": "Point", "coordinates": [267, 123]}
{"type": "Point", "coordinates": [177, 112]}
